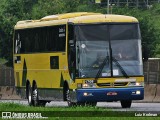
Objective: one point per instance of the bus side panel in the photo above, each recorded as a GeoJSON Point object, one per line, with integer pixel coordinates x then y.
{"type": "Point", "coordinates": [49, 75]}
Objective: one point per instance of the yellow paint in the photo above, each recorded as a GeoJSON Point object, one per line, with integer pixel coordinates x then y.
{"type": "Point", "coordinates": [77, 17]}
{"type": "Point", "coordinates": [38, 68]}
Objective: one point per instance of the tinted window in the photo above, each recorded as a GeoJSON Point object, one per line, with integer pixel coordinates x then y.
{"type": "Point", "coordinates": [124, 32]}
{"type": "Point", "coordinates": [91, 32]}
{"type": "Point", "coordinates": [54, 62]}
{"type": "Point", "coordinates": [42, 39]}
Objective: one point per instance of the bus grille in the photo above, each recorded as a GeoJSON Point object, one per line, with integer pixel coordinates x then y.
{"type": "Point", "coordinates": [116, 84]}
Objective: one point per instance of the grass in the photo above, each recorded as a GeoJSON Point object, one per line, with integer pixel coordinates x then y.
{"type": "Point", "coordinates": [20, 107]}
{"type": "Point", "coordinates": [69, 113]}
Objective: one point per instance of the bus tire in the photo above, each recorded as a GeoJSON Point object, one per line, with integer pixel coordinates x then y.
{"type": "Point", "coordinates": [35, 95]}
{"type": "Point", "coordinates": [29, 94]}
{"type": "Point", "coordinates": [65, 87]}
{"type": "Point", "coordinates": [68, 97]}
{"type": "Point", "coordinates": [126, 103]}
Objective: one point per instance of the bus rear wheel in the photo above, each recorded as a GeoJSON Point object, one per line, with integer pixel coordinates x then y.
{"type": "Point", "coordinates": [29, 94]}
{"type": "Point", "coordinates": [126, 103]}
{"type": "Point", "coordinates": [35, 98]}
{"type": "Point", "coordinates": [35, 95]}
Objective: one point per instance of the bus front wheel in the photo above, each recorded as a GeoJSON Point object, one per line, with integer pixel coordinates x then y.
{"type": "Point", "coordinates": [68, 98]}
{"type": "Point", "coordinates": [126, 103]}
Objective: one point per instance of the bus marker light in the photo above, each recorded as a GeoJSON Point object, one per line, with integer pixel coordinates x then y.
{"type": "Point", "coordinates": [79, 85]}
{"type": "Point", "coordinates": [111, 93]}
{"type": "Point", "coordinates": [133, 92]}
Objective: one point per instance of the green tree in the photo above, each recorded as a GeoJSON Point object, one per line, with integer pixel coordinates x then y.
{"type": "Point", "coordinates": [47, 7]}
{"type": "Point", "coordinates": [12, 11]}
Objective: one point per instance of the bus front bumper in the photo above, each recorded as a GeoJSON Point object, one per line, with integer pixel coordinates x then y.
{"type": "Point", "coordinates": [110, 94]}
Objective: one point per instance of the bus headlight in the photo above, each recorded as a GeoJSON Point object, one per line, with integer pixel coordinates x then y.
{"type": "Point", "coordinates": [138, 92]}
{"type": "Point", "coordinates": [88, 85]}
{"type": "Point", "coordinates": [136, 84]}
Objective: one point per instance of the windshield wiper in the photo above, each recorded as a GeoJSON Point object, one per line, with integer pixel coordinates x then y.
{"type": "Point", "coordinates": [120, 67]}
{"type": "Point", "coordinates": [78, 55]}
{"type": "Point", "coordinates": [103, 64]}
{"type": "Point", "coordinates": [101, 67]}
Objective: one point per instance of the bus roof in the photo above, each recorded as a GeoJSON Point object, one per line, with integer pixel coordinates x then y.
{"type": "Point", "coordinates": [76, 18]}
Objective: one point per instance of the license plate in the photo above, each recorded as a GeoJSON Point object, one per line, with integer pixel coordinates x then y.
{"type": "Point", "coordinates": [111, 93]}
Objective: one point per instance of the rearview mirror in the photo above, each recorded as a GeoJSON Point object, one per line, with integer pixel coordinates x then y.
{"type": "Point", "coordinates": [145, 53]}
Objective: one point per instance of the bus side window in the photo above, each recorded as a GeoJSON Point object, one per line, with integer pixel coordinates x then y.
{"type": "Point", "coordinates": [18, 42]}
{"type": "Point", "coordinates": [54, 62]}
{"type": "Point", "coordinates": [72, 52]}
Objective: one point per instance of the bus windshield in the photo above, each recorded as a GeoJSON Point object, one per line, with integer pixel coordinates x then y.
{"type": "Point", "coordinates": [119, 41]}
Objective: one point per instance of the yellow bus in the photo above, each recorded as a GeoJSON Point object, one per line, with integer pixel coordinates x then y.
{"type": "Point", "coordinates": [82, 58]}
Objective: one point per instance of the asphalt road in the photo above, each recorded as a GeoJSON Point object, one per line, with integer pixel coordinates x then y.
{"type": "Point", "coordinates": [115, 106]}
